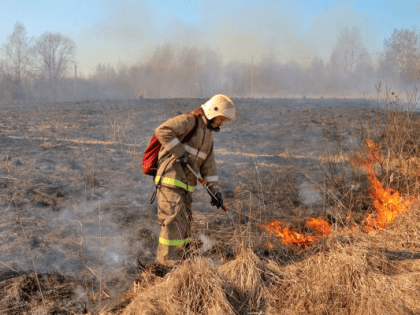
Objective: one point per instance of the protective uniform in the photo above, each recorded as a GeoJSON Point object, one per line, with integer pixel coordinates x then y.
{"type": "Point", "coordinates": [176, 183]}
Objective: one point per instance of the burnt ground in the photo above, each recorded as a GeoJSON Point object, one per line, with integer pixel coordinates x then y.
{"type": "Point", "coordinates": [76, 219]}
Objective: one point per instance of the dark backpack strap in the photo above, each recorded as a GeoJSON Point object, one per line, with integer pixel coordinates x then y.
{"type": "Point", "coordinates": [192, 132]}
{"type": "Point", "coordinates": [152, 199]}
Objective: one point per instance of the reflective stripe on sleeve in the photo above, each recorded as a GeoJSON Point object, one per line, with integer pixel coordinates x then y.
{"type": "Point", "coordinates": [172, 143]}
{"type": "Point", "coordinates": [174, 242]}
{"type": "Point", "coordinates": [195, 152]}
{"type": "Point", "coordinates": [174, 182]}
{"type": "Point", "coordinates": [211, 178]}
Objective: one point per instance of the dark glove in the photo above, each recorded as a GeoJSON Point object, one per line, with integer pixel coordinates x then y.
{"type": "Point", "coordinates": [183, 159]}
{"type": "Point", "coordinates": [218, 201]}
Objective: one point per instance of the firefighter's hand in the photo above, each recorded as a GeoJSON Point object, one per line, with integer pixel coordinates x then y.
{"type": "Point", "coordinates": [218, 201]}
{"type": "Point", "coordinates": [183, 159]}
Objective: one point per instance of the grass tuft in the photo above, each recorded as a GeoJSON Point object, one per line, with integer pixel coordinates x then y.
{"type": "Point", "coordinates": [195, 287]}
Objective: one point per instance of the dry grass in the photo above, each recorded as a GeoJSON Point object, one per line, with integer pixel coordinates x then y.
{"type": "Point", "coordinates": [246, 274]}
{"type": "Point", "coordinates": [347, 280]}
{"type": "Point", "coordinates": [195, 287]}
{"type": "Point", "coordinates": [31, 294]}
{"type": "Point", "coordinates": [396, 130]}
{"type": "Point", "coordinates": [349, 273]}
{"type": "Point", "coordinates": [354, 273]}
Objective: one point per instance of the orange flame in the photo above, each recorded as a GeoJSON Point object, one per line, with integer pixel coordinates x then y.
{"type": "Point", "coordinates": [389, 204]}
{"type": "Point", "coordinates": [320, 226]}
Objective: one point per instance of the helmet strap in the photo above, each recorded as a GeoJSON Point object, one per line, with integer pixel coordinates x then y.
{"type": "Point", "coordinates": [209, 125]}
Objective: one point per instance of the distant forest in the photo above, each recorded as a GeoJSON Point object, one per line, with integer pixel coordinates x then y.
{"type": "Point", "coordinates": [44, 70]}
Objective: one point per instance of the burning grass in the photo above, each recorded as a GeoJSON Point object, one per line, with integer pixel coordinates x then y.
{"type": "Point", "coordinates": [388, 203]}
{"type": "Point", "coordinates": [331, 264]}
{"type": "Point", "coordinates": [352, 273]}
{"type": "Point", "coordinates": [321, 227]}
{"type": "Point", "coordinates": [357, 273]}
{"type": "Point", "coordinates": [362, 260]}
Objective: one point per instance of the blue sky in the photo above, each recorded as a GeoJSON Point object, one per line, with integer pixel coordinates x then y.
{"type": "Point", "coordinates": [127, 31]}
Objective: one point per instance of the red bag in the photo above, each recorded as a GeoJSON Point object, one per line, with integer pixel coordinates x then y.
{"type": "Point", "coordinates": [151, 154]}
{"type": "Point", "coordinates": [150, 157]}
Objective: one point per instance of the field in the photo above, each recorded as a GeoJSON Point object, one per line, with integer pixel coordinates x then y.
{"type": "Point", "coordinates": [79, 235]}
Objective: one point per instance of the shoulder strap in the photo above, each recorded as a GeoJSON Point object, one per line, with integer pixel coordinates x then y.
{"type": "Point", "coordinates": [196, 114]}
{"type": "Point", "coordinates": [191, 133]}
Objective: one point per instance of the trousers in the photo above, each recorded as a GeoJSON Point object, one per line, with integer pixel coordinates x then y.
{"type": "Point", "coordinates": [174, 216]}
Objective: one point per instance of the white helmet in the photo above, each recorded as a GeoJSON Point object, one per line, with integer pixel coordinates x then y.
{"type": "Point", "coordinates": [219, 105]}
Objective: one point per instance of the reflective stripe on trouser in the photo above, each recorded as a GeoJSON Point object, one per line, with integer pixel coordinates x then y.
{"type": "Point", "coordinates": [173, 182]}
{"type": "Point", "coordinates": [174, 215]}
{"type": "Point", "coordinates": [174, 242]}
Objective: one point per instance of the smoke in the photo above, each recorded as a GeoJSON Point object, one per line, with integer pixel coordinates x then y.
{"type": "Point", "coordinates": [137, 49]}
{"type": "Point", "coordinates": [91, 235]}
{"type": "Point", "coordinates": [261, 49]}
{"type": "Point", "coordinates": [207, 243]}
{"type": "Point", "coordinates": [308, 194]}
{"type": "Point", "coordinates": [130, 31]}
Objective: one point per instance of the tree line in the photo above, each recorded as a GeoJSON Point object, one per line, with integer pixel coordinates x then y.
{"type": "Point", "coordinates": [44, 69]}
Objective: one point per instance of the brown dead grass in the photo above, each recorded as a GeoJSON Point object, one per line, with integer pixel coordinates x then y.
{"type": "Point", "coordinates": [195, 287]}
{"type": "Point", "coordinates": [354, 273]}
{"type": "Point", "coordinates": [349, 273]}
{"type": "Point", "coordinates": [246, 275]}
{"type": "Point", "coordinates": [31, 294]}
{"type": "Point", "coordinates": [342, 282]}
{"type": "Point", "coordinates": [81, 141]}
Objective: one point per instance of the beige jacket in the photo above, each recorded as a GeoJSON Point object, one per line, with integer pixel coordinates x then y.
{"type": "Point", "coordinates": [200, 149]}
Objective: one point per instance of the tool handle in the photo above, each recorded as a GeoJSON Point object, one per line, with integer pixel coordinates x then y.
{"type": "Point", "coordinates": [201, 181]}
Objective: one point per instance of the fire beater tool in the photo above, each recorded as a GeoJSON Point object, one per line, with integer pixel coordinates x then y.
{"type": "Point", "coordinates": [201, 181]}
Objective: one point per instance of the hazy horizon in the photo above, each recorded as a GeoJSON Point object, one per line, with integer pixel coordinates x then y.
{"type": "Point", "coordinates": [128, 32]}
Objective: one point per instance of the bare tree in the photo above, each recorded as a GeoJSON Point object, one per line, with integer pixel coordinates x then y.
{"type": "Point", "coordinates": [349, 52]}
{"type": "Point", "coordinates": [402, 54]}
{"type": "Point", "coordinates": [3, 69]}
{"type": "Point", "coordinates": [17, 52]}
{"type": "Point", "coordinates": [189, 69]}
{"type": "Point", "coordinates": [55, 53]}
{"type": "Point", "coordinates": [349, 63]}
{"type": "Point", "coordinates": [159, 71]}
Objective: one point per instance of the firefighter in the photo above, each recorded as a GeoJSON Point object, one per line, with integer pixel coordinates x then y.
{"type": "Point", "coordinates": [175, 183]}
